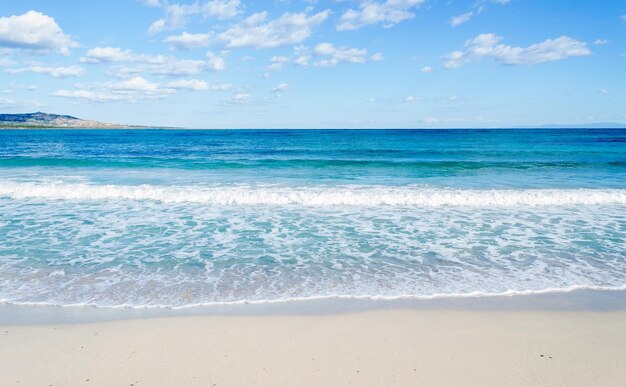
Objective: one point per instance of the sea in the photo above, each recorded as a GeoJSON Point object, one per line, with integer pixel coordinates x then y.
{"type": "Point", "coordinates": [181, 218]}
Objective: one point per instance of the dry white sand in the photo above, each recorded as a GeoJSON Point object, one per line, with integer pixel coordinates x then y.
{"type": "Point", "coordinates": [397, 347]}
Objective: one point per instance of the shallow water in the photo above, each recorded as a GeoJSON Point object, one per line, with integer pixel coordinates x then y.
{"type": "Point", "coordinates": [180, 218]}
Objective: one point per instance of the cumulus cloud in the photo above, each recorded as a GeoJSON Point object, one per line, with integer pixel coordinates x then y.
{"type": "Point", "coordinates": [335, 55]}
{"type": "Point", "coordinates": [478, 7]}
{"type": "Point", "coordinates": [13, 87]}
{"type": "Point", "coordinates": [302, 60]}
{"type": "Point", "coordinates": [16, 103]}
{"type": "Point", "coordinates": [277, 63]}
{"type": "Point", "coordinates": [157, 26]}
{"type": "Point", "coordinates": [239, 99]}
{"type": "Point", "coordinates": [130, 62]}
{"type": "Point", "coordinates": [280, 88]}
{"type": "Point", "coordinates": [600, 42]}
{"type": "Point", "coordinates": [176, 15]}
{"type": "Point", "coordinates": [427, 69]}
{"type": "Point", "coordinates": [377, 57]}
{"type": "Point", "coordinates": [35, 32]}
{"type": "Point", "coordinates": [134, 89]}
{"type": "Point", "coordinates": [458, 20]}
{"type": "Point", "coordinates": [109, 55]}
{"type": "Point", "coordinates": [187, 41]}
{"type": "Point", "coordinates": [489, 46]}
{"type": "Point", "coordinates": [55, 72]}
{"type": "Point", "coordinates": [152, 3]}
{"type": "Point", "coordinates": [188, 84]}
{"type": "Point", "coordinates": [389, 12]}
{"type": "Point", "coordinates": [257, 32]}
{"type": "Point", "coordinates": [221, 87]}
{"type": "Point", "coordinates": [215, 62]}
{"type": "Point", "coordinates": [221, 9]}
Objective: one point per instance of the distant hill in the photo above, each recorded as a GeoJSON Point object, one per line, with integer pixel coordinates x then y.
{"type": "Point", "coordinates": [48, 120]}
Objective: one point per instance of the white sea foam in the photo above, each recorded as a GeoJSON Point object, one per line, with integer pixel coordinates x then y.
{"type": "Point", "coordinates": [438, 296]}
{"type": "Point", "coordinates": [317, 195]}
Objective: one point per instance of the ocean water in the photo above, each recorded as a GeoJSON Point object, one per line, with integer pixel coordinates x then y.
{"type": "Point", "coordinates": [176, 218]}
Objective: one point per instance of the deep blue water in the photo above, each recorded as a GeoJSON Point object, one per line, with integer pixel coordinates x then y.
{"type": "Point", "coordinates": [184, 217]}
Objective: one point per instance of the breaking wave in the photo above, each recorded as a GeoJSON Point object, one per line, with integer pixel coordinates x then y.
{"type": "Point", "coordinates": [345, 195]}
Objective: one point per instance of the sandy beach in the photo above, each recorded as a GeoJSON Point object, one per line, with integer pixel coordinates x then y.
{"type": "Point", "coordinates": [385, 347]}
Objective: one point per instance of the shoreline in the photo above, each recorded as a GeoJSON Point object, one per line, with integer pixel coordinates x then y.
{"type": "Point", "coordinates": [576, 300]}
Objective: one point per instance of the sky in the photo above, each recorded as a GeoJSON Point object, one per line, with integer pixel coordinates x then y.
{"type": "Point", "coordinates": [316, 64]}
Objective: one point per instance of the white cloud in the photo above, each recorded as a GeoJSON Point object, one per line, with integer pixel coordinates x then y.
{"type": "Point", "coordinates": [458, 20]}
{"type": "Point", "coordinates": [280, 88]}
{"type": "Point", "coordinates": [623, 18]}
{"type": "Point", "coordinates": [377, 57]}
{"type": "Point", "coordinates": [133, 63]}
{"type": "Point", "coordinates": [488, 46]}
{"type": "Point", "coordinates": [188, 84]}
{"type": "Point", "coordinates": [430, 120]}
{"type": "Point", "coordinates": [255, 31]}
{"type": "Point", "coordinates": [373, 12]}
{"type": "Point", "coordinates": [56, 72]}
{"type": "Point", "coordinates": [14, 103]}
{"type": "Point", "coordinates": [13, 87]}
{"type": "Point", "coordinates": [215, 62]}
{"type": "Point", "coordinates": [410, 98]}
{"type": "Point", "coordinates": [277, 63]}
{"type": "Point", "coordinates": [96, 96]}
{"type": "Point", "coordinates": [300, 49]}
{"type": "Point", "coordinates": [161, 65]}
{"type": "Point", "coordinates": [603, 91]}
{"type": "Point", "coordinates": [135, 89]}
{"type": "Point", "coordinates": [239, 99]}
{"type": "Point", "coordinates": [108, 55]}
{"type": "Point", "coordinates": [302, 60]}
{"type": "Point", "coordinates": [34, 31]}
{"type": "Point", "coordinates": [221, 9]}
{"type": "Point", "coordinates": [152, 3]}
{"type": "Point", "coordinates": [156, 26]}
{"type": "Point", "coordinates": [136, 84]}
{"type": "Point", "coordinates": [176, 15]}
{"type": "Point", "coordinates": [600, 42]}
{"type": "Point", "coordinates": [478, 7]}
{"type": "Point", "coordinates": [427, 69]}
{"type": "Point", "coordinates": [187, 41]}
{"type": "Point", "coordinates": [221, 87]}
{"type": "Point", "coordinates": [336, 55]}
{"type": "Point", "coordinates": [453, 97]}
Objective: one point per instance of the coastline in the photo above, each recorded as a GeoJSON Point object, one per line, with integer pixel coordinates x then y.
{"type": "Point", "coordinates": [558, 339]}
{"type": "Point", "coordinates": [574, 300]}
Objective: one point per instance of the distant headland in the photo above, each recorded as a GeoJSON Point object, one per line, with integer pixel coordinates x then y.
{"type": "Point", "coordinates": [48, 120]}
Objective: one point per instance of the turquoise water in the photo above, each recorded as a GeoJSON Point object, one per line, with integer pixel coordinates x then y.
{"type": "Point", "coordinates": [180, 218]}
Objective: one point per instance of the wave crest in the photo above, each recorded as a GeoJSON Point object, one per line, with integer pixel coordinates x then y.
{"type": "Point", "coordinates": [316, 195]}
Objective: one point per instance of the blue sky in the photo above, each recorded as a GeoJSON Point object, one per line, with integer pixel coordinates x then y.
{"type": "Point", "coordinates": [316, 64]}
